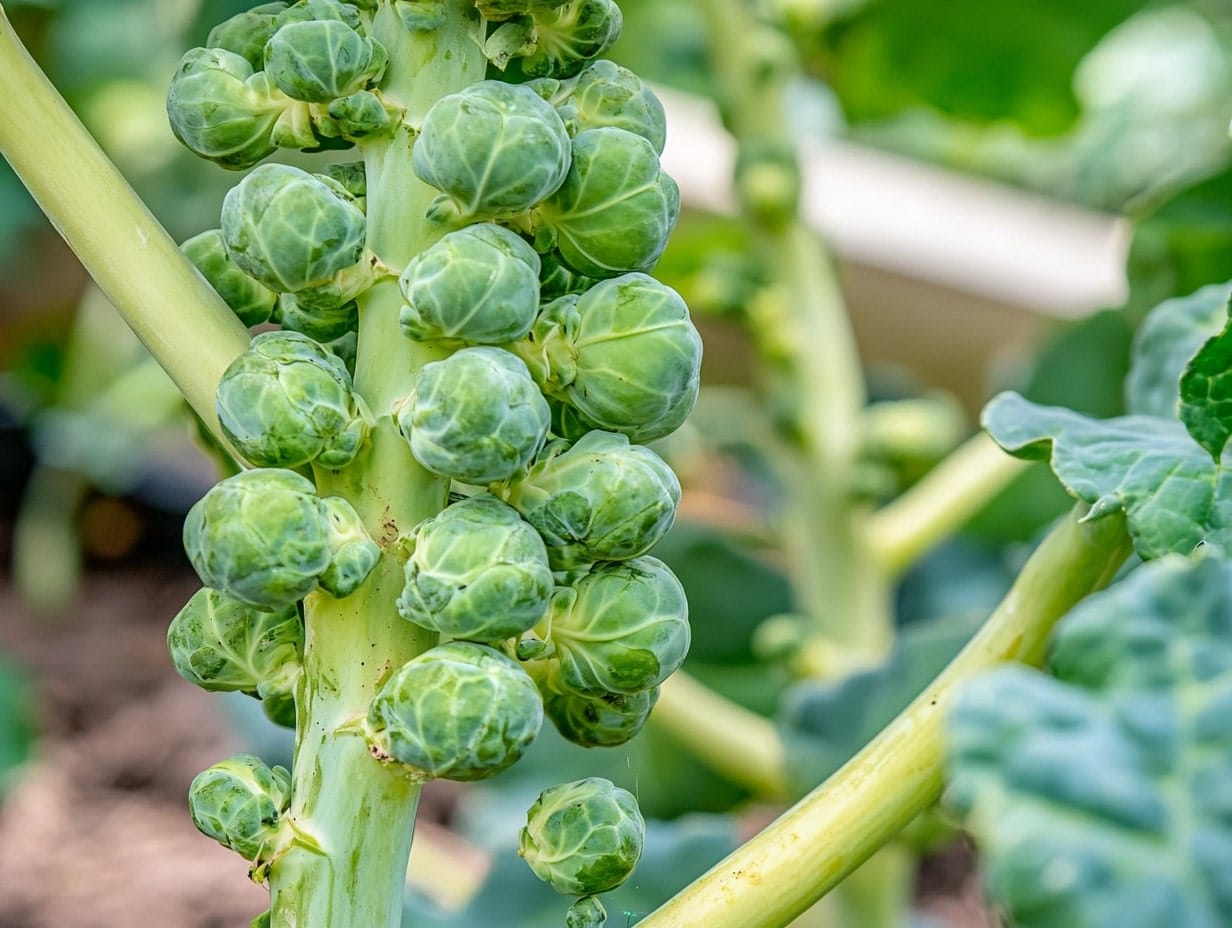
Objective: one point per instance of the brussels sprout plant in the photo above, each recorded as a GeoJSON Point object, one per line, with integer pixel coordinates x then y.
{"type": "Point", "coordinates": [441, 525]}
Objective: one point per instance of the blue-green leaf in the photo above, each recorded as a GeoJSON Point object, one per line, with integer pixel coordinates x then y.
{"type": "Point", "coordinates": [1103, 798]}
{"type": "Point", "coordinates": [1174, 496]}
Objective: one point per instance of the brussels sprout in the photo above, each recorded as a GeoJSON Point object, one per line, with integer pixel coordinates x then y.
{"type": "Point", "coordinates": [583, 837]}
{"type": "Point", "coordinates": [220, 110]}
{"type": "Point", "coordinates": [309, 10]}
{"type": "Point", "coordinates": [601, 499]}
{"type": "Point", "coordinates": [319, 324]}
{"type": "Point", "coordinates": [322, 60]}
{"type": "Point", "coordinates": [556, 280]}
{"type": "Point", "coordinates": [616, 208]}
{"type": "Point", "coordinates": [493, 149]}
{"type": "Point", "coordinates": [605, 94]}
{"type": "Point", "coordinates": [624, 354]}
{"type": "Point", "coordinates": [476, 571]}
{"type": "Point", "coordinates": [768, 181]}
{"type": "Point", "coordinates": [460, 711]}
{"type": "Point", "coordinates": [239, 803]}
{"type": "Point", "coordinates": [504, 9]}
{"type": "Point", "coordinates": [287, 401]}
{"type": "Point", "coordinates": [626, 629]}
{"type": "Point", "coordinates": [264, 537]}
{"type": "Point", "coordinates": [587, 912]}
{"type": "Point", "coordinates": [358, 116]}
{"type": "Point", "coordinates": [246, 33]}
{"type": "Point", "coordinates": [352, 176]}
{"type": "Point", "coordinates": [479, 285]}
{"type": "Point", "coordinates": [223, 645]}
{"type": "Point", "coordinates": [248, 298]}
{"type": "Point", "coordinates": [292, 230]}
{"type": "Point", "coordinates": [591, 720]}
{"type": "Point", "coordinates": [567, 38]}
{"type": "Point", "coordinates": [352, 553]}
{"type": "Point", "coordinates": [476, 416]}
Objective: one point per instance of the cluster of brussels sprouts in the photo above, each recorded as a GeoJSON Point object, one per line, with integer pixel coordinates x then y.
{"type": "Point", "coordinates": [560, 356]}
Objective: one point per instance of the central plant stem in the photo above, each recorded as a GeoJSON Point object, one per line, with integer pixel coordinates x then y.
{"type": "Point", "coordinates": [360, 813]}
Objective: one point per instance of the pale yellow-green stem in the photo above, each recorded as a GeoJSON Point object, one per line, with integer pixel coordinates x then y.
{"type": "Point", "coordinates": [361, 812]}
{"type": "Point", "coordinates": [823, 838]}
{"type": "Point", "coordinates": [182, 321]}
{"type": "Point", "coordinates": [943, 500]}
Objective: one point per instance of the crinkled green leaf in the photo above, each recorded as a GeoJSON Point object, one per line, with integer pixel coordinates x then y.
{"type": "Point", "coordinates": [1174, 496]}
{"type": "Point", "coordinates": [1206, 394]}
{"type": "Point", "coordinates": [1103, 798]}
{"type": "Point", "coordinates": [1166, 340]}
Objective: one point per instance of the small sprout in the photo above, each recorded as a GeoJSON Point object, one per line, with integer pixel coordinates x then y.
{"type": "Point", "coordinates": [768, 181]}
{"type": "Point", "coordinates": [239, 803]}
{"type": "Point", "coordinates": [292, 230]}
{"type": "Point", "coordinates": [478, 285]}
{"type": "Point", "coordinates": [460, 711]}
{"type": "Point", "coordinates": [224, 645]}
{"type": "Point", "coordinates": [592, 720]}
{"type": "Point", "coordinates": [287, 401]}
{"type": "Point", "coordinates": [624, 354]}
{"type": "Point", "coordinates": [357, 117]}
{"type": "Point", "coordinates": [248, 298]}
{"type": "Point", "coordinates": [246, 33]}
{"type": "Point", "coordinates": [616, 207]}
{"type": "Point", "coordinates": [626, 630]}
{"type": "Point", "coordinates": [221, 110]}
{"type": "Point", "coordinates": [583, 837]}
{"type": "Point", "coordinates": [601, 499]}
{"type": "Point", "coordinates": [353, 177]}
{"type": "Point", "coordinates": [264, 537]}
{"type": "Point", "coordinates": [476, 416]}
{"type": "Point", "coordinates": [476, 571]}
{"type": "Point", "coordinates": [605, 94]}
{"type": "Point", "coordinates": [493, 150]}
{"type": "Point", "coordinates": [320, 324]}
{"type": "Point", "coordinates": [556, 280]}
{"type": "Point", "coordinates": [567, 38]}
{"type": "Point", "coordinates": [309, 10]}
{"type": "Point", "coordinates": [352, 553]}
{"type": "Point", "coordinates": [587, 912]}
{"type": "Point", "coordinates": [320, 60]}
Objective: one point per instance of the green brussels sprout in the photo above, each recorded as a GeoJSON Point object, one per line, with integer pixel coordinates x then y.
{"type": "Point", "coordinates": [583, 837]}
{"type": "Point", "coordinates": [626, 630]}
{"type": "Point", "coordinates": [246, 33]}
{"type": "Point", "coordinates": [287, 401]}
{"type": "Point", "coordinates": [768, 181]}
{"type": "Point", "coordinates": [616, 207]}
{"type": "Point", "coordinates": [591, 720]}
{"type": "Point", "coordinates": [476, 416]}
{"type": "Point", "coordinates": [239, 803]}
{"type": "Point", "coordinates": [479, 284]}
{"type": "Point", "coordinates": [556, 280]}
{"type": "Point", "coordinates": [504, 9]}
{"type": "Point", "coordinates": [600, 499]}
{"type": "Point", "coordinates": [322, 60]}
{"type": "Point", "coordinates": [357, 117]}
{"type": "Point", "coordinates": [220, 110]}
{"type": "Point", "coordinates": [292, 230]}
{"type": "Point", "coordinates": [624, 354]}
{"type": "Point", "coordinates": [587, 912]}
{"type": "Point", "coordinates": [353, 177]}
{"type": "Point", "coordinates": [352, 553]}
{"type": "Point", "coordinates": [224, 645]}
{"type": "Point", "coordinates": [476, 571]}
{"type": "Point", "coordinates": [248, 298]}
{"type": "Point", "coordinates": [264, 537]}
{"type": "Point", "coordinates": [605, 94]}
{"type": "Point", "coordinates": [320, 324]}
{"type": "Point", "coordinates": [568, 37]}
{"type": "Point", "coordinates": [309, 10]}
{"type": "Point", "coordinates": [493, 150]}
{"type": "Point", "coordinates": [459, 711]}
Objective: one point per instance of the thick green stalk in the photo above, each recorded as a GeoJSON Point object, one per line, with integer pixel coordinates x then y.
{"type": "Point", "coordinates": [360, 812]}
{"type": "Point", "coordinates": [823, 838]}
{"type": "Point", "coordinates": [182, 321]}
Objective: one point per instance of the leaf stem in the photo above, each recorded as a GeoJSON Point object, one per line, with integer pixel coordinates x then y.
{"type": "Point", "coordinates": [823, 838]}
{"type": "Point", "coordinates": [182, 321]}
{"type": "Point", "coordinates": [940, 503]}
